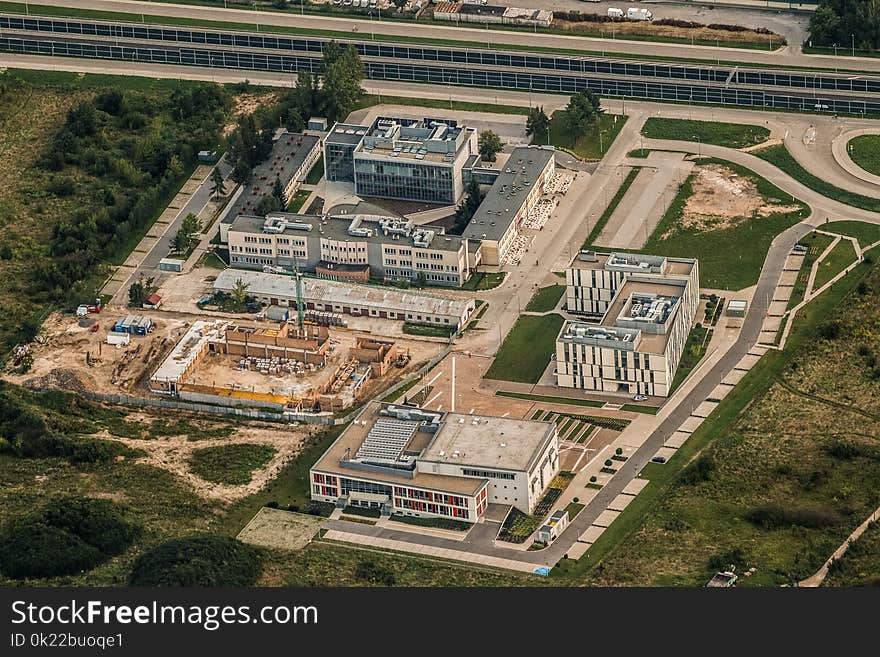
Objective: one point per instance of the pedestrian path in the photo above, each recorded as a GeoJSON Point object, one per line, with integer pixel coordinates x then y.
{"type": "Point", "coordinates": [430, 551]}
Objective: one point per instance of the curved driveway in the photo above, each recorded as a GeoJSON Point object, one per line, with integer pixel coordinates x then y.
{"type": "Point", "coordinates": [841, 153]}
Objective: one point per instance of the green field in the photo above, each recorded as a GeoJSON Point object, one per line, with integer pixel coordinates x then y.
{"type": "Point", "coordinates": [316, 172]}
{"type": "Point", "coordinates": [230, 464]}
{"type": "Point", "coordinates": [592, 145]}
{"type": "Point", "coordinates": [816, 244]}
{"type": "Point", "coordinates": [430, 331]}
{"type": "Point", "coordinates": [792, 435]}
{"type": "Point", "coordinates": [841, 256]}
{"type": "Point", "coordinates": [730, 258]}
{"type": "Point", "coordinates": [731, 135]}
{"type": "Point", "coordinates": [484, 281]}
{"type": "Point", "coordinates": [693, 353]}
{"type": "Point", "coordinates": [298, 200]}
{"type": "Point", "coordinates": [865, 151]}
{"type": "Point", "coordinates": [780, 157]}
{"type": "Point", "coordinates": [612, 206]}
{"type": "Point", "coordinates": [550, 400]}
{"type": "Point", "coordinates": [524, 354]}
{"type": "Point", "coordinates": [546, 298]}
{"type": "Point", "coordinates": [865, 233]}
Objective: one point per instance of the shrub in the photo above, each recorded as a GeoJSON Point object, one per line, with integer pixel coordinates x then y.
{"type": "Point", "coordinates": [368, 571]}
{"type": "Point", "coordinates": [608, 463]}
{"type": "Point", "coordinates": [593, 479]}
{"type": "Point", "coordinates": [698, 471]}
{"type": "Point", "coordinates": [202, 560]}
{"type": "Point", "coordinates": [774, 516]}
{"type": "Point", "coordinates": [272, 505]}
{"type": "Point", "coordinates": [829, 330]}
{"type": "Point", "coordinates": [68, 536]}
{"type": "Point", "coordinates": [735, 557]}
{"type": "Point", "coordinates": [576, 500]}
{"type": "Point", "coordinates": [843, 450]}
{"type": "Point", "coordinates": [618, 451]}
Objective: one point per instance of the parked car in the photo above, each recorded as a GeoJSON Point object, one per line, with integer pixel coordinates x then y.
{"type": "Point", "coordinates": [640, 398]}
{"type": "Point", "coordinates": [658, 459]}
{"type": "Point", "coordinates": [800, 248]}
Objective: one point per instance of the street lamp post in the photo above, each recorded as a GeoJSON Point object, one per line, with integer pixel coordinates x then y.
{"type": "Point", "coordinates": [853, 37]}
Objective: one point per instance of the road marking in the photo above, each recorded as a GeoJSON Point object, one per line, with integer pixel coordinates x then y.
{"type": "Point", "coordinates": [435, 378]}
{"type": "Point", "coordinates": [433, 399]}
{"type": "Point", "coordinates": [452, 410]}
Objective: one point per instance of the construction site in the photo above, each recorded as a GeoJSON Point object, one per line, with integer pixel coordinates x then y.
{"type": "Point", "coordinates": [279, 366]}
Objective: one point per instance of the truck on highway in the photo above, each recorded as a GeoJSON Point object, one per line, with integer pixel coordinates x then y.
{"type": "Point", "coordinates": [614, 12]}
{"type": "Point", "coordinates": [636, 14]}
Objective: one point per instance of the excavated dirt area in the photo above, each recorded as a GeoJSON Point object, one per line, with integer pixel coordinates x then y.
{"type": "Point", "coordinates": [722, 198]}
{"type": "Point", "coordinates": [247, 103]}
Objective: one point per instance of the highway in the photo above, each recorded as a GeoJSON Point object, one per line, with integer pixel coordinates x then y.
{"type": "Point", "coordinates": [785, 57]}
{"type": "Point", "coordinates": [447, 66]}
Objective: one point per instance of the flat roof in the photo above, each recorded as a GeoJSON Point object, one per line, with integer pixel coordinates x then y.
{"type": "Point", "coordinates": [650, 342]}
{"type": "Point", "coordinates": [188, 349]}
{"type": "Point", "coordinates": [508, 193]}
{"type": "Point", "coordinates": [336, 227]}
{"type": "Point", "coordinates": [429, 139]}
{"type": "Point", "coordinates": [349, 134]}
{"type": "Point", "coordinates": [289, 152]}
{"type": "Point", "coordinates": [489, 442]}
{"type": "Point", "coordinates": [339, 293]}
{"type": "Point", "coordinates": [633, 263]}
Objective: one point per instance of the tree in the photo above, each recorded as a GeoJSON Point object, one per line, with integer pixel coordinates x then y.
{"type": "Point", "coordinates": [239, 294]}
{"type": "Point", "coordinates": [218, 186]}
{"type": "Point", "coordinates": [342, 77]}
{"type": "Point", "coordinates": [537, 123]}
{"type": "Point", "coordinates": [278, 192]}
{"type": "Point", "coordinates": [847, 23]}
{"type": "Point", "coordinates": [582, 111]}
{"type": "Point", "coordinates": [187, 234]}
{"type": "Point", "coordinates": [467, 209]}
{"type": "Point", "coordinates": [267, 204]}
{"type": "Point", "coordinates": [140, 290]}
{"type": "Point", "coordinates": [489, 144]}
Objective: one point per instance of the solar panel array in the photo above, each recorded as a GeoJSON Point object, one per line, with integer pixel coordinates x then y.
{"type": "Point", "coordinates": [386, 440]}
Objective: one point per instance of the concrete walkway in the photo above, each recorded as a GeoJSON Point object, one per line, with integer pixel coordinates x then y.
{"type": "Point", "coordinates": [819, 576]}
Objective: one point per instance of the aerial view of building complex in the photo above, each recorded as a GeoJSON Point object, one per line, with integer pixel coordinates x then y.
{"type": "Point", "coordinates": [398, 294]}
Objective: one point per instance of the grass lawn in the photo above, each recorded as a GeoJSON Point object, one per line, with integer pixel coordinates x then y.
{"type": "Point", "coordinates": [525, 352]}
{"type": "Point", "coordinates": [431, 331]}
{"type": "Point", "coordinates": [316, 172]}
{"type": "Point", "coordinates": [484, 281]}
{"type": "Point", "coordinates": [441, 103]}
{"type": "Point", "coordinates": [573, 509]}
{"type": "Point", "coordinates": [230, 464]}
{"type": "Point", "coordinates": [612, 206]}
{"type": "Point", "coordinates": [439, 523]}
{"type": "Point", "coordinates": [865, 151]}
{"type": "Point", "coordinates": [546, 298]}
{"type": "Point", "coordinates": [780, 157]}
{"type": "Point", "coordinates": [639, 408]}
{"type": "Point", "coordinates": [590, 146]}
{"type": "Point", "coordinates": [865, 233]}
{"type": "Point", "coordinates": [550, 400]}
{"type": "Point", "coordinates": [762, 446]}
{"type": "Point", "coordinates": [730, 258]}
{"type": "Point", "coordinates": [835, 262]}
{"type": "Point", "coordinates": [693, 353]}
{"type": "Point", "coordinates": [816, 244]}
{"type": "Point", "coordinates": [731, 135]}
{"type": "Point", "coordinates": [212, 261]}
{"type": "Point", "coordinates": [297, 201]}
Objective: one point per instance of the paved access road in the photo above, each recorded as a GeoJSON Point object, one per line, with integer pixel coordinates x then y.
{"type": "Point", "coordinates": [787, 56]}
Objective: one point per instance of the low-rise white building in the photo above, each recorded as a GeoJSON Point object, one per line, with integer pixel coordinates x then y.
{"type": "Point", "coordinates": [418, 462]}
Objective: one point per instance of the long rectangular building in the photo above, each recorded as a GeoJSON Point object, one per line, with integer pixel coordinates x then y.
{"type": "Point", "coordinates": [516, 190]}
{"type": "Point", "coordinates": [418, 462]}
{"type": "Point", "coordinates": [351, 299]}
{"type": "Point", "coordinates": [352, 247]}
{"type": "Point", "coordinates": [637, 345]}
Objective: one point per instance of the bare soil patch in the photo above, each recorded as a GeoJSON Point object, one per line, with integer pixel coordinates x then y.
{"type": "Point", "coordinates": [722, 198]}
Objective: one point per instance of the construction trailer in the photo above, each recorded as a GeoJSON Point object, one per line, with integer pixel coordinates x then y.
{"type": "Point", "coordinates": [134, 325]}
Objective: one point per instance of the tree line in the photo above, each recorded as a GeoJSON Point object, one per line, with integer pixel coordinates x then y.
{"type": "Point", "coordinates": [846, 24]}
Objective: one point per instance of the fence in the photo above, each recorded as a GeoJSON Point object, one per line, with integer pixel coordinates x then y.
{"type": "Point", "coordinates": [252, 413]}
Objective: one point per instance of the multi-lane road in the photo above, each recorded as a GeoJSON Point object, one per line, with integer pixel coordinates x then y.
{"type": "Point", "coordinates": [447, 65]}
{"type": "Point", "coordinates": [262, 20]}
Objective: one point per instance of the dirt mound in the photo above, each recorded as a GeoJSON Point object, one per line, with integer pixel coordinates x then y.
{"type": "Point", "coordinates": [58, 378]}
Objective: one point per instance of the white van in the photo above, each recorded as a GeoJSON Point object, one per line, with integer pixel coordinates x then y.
{"type": "Point", "coordinates": [614, 12]}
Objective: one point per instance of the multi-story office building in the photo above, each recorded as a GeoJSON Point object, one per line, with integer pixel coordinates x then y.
{"type": "Point", "coordinates": [407, 159]}
{"type": "Point", "coordinates": [593, 278]}
{"type": "Point", "coordinates": [418, 462]}
{"type": "Point", "coordinates": [517, 188]}
{"type": "Point", "coordinates": [637, 345]}
{"type": "Point", "coordinates": [352, 247]}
